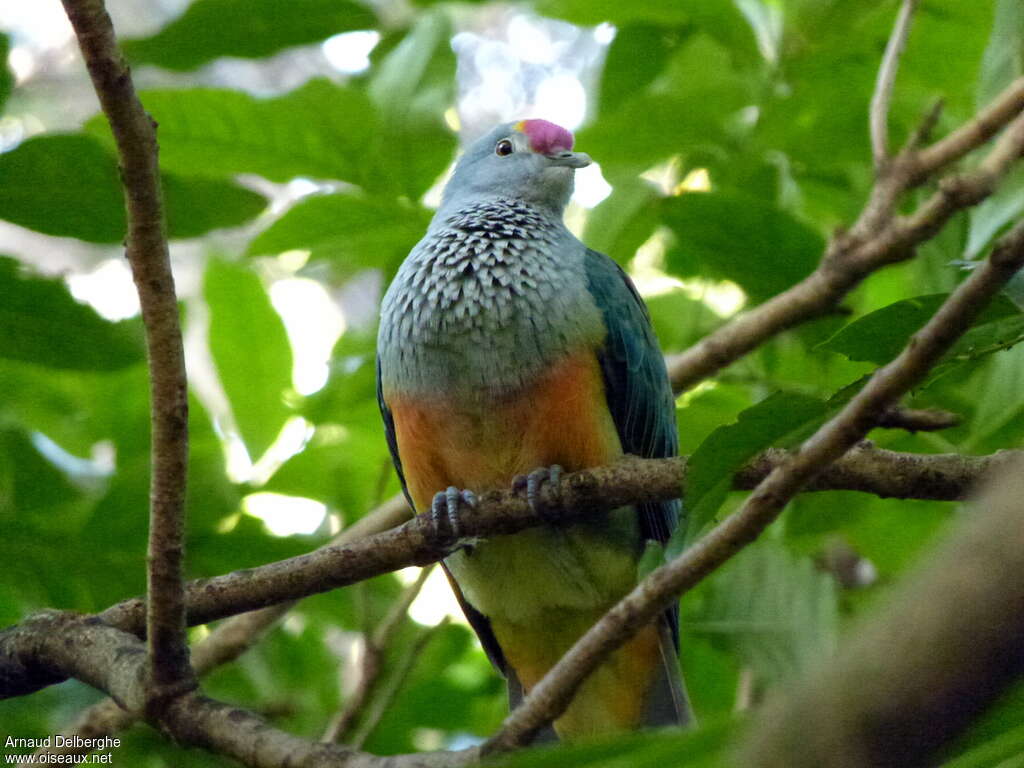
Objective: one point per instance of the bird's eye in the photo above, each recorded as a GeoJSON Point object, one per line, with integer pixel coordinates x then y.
{"type": "Point", "coordinates": [503, 148]}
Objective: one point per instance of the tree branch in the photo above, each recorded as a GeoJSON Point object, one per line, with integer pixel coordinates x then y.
{"type": "Point", "coordinates": [374, 647]}
{"type": "Point", "coordinates": [115, 662]}
{"type": "Point", "coordinates": [578, 496]}
{"type": "Point", "coordinates": [878, 119]}
{"type": "Point", "coordinates": [910, 679]}
{"type": "Point", "coordinates": [147, 251]}
{"type": "Point", "coordinates": [918, 419]}
{"type": "Point", "coordinates": [877, 239]}
{"type": "Point", "coordinates": [550, 697]}
{"type": "Point", "coordinates": [227, 641]}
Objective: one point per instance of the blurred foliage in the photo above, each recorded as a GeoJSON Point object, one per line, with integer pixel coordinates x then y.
{"type": "Point", "coordinates": [767, 97]}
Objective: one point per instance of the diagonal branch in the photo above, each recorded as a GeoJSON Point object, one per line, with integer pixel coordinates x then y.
{"type": "Point", "coordinates": [878, 119]}
{"type": "Point", "coordinates": [550, 697]}
{"type": "Point", "coordinates": [910, 679]}
{"type": "Point", "coordinates": [877, 239]}
{"type": "Point", "coordinates": [147, 251]}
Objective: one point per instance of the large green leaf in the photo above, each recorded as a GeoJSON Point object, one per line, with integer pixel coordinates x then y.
{"type": "Point", "coordinates": [624, 220]}
{"type": "Point", "coordinates": [209, 29]}
{"type": "Point", "coordinates": [880, 335]}
{"type": "Point", "coordinates": [777, 420]}
{"type": "Point", "coordinates": [41, 323]}
{"type": "Point", "coordinates": [624, 71]}
{"type": "Point", "coordinates": [68, 185]}
{"type": "Point", "coordinates": [320, 130]}
{"type": "Point", "coordinates": [777, 612]}
{"type": "Point", "coordinates": [412, 87]}
{"type": "Point", "coordinates": [351, 230]}
{"type": "Point", "coordinates": [1003, 59]}
{"type": "Point", "coordinates": [995, 213]}
{"type": "Point", "coordinates": [30, 480]}
{"type": "Point", "coordinates": [251, 351]}
{"type": "Point", "coordinates": [689, 107]}
{"type": "Point", "coordinates": [721, 19]}
{"type": "Point", "coordinates": [756, 245]}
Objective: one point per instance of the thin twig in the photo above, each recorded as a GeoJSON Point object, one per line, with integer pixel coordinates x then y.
{"type": "Point", "coordinates": [135, 136]}
{"type": "Point", "coordinates": [882, 96]}
{"type": "Point", "coordinates": [918, 419]}
{"type": "Point", "coordinates": [550, 697]}
{"type": "Point", "coordinates": [383, 700]}
{"type": "Point", "coordinates": [375, 645]}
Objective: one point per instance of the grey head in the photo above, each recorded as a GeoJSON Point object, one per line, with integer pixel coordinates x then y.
{"type": "Point", "coordinates": [529, 160]}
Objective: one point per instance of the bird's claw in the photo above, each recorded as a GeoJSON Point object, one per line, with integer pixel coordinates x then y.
{"type": "Point", "coordinates": [444, 512]}
{"type": "Point", "coordinates": [532, 483]}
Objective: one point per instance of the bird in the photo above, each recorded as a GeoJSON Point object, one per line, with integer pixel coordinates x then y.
{"type": "Point", "coordinates": [508, 353]}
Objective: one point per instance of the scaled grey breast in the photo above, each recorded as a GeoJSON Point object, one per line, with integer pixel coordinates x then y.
{"type": "Point", "coordinates": [501, 272]}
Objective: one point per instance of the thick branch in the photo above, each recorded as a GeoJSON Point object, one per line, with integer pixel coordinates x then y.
{"type": "Point", "coordinates": [879, 114]}
{"type": "Point", "coordinates": [550, 697]}
{"type": "Point", "coordinates": [579, 495]}
{"type": "Point", "coordinates": [227, 641]}
{"type": "Point", "coordinates": [114, 661]}
{"type": "Point", "coordinates": [877, 239]}
{"type": "Point", "coordinates": [911, 678]}
{"type": "Point", "coordinates": [135, 136]}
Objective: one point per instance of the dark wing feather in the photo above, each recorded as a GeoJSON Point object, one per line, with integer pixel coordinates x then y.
{"type": "Point", "coordinates": [637, 387]}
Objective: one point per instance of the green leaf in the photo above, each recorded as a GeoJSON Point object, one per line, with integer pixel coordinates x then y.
{"type": "Point", "coordinates": [351, 230]}
{"type": "Point", "coordinates": [996, 738]}
{"type": "Point", "coordinates": [679, 319]}
{"type": "Point", "coordinates": [412, 87]}
{"type": "Point", "coordinates": [6, 78]}
{"type": "Point", "coordinates": [881, 335]}
{"type": "Point", "coordinates": [995, 213]}
{"type": "Point", "coordinates": [320, 130]}
{"type": "Point", "coordinates": [624, 71]}
{"type": "Point", "coordinates": [30, 480]}
{"type": "Point", "coordinates": [756, 245]}
{"type": "Point", "coordinates": [624, 220]}
{"type": "Point", "coordinates": [775, 611]}
{"type": "Point", "coordinates": [721, 19]}
{"type": "Point", "coordinates": [65, 185]}
{"type": "Point", "coordinates": [68, 185]}
{"type": "Point", "coordinates": [209, 29]}
{"type": "Point", "coordinates": [344, 474]}
{"type": "Point", "coordinates": [251, 351]}
{"type": "Point", "coordinates": [41, 323]}
{"type": "Point", "coordinates": [710, 745]}
{"type": "Point", "coordinates": [776, 420]}
{"type": "Point", "coordinates": [195, 206]}
{"type": "Point", "coordinates": [661, 121]}
{"type": "Point", "coordinates": [1003, 60]}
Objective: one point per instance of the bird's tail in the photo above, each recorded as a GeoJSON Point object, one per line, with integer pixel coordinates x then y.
{"type": "Point", "coordinates": [667, 702]}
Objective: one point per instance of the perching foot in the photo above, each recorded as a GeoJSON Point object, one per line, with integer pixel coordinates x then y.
{"type": "Point", "coordinates": [444, 512]}
{"type": "Point", "coordinates": [532, 483]}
